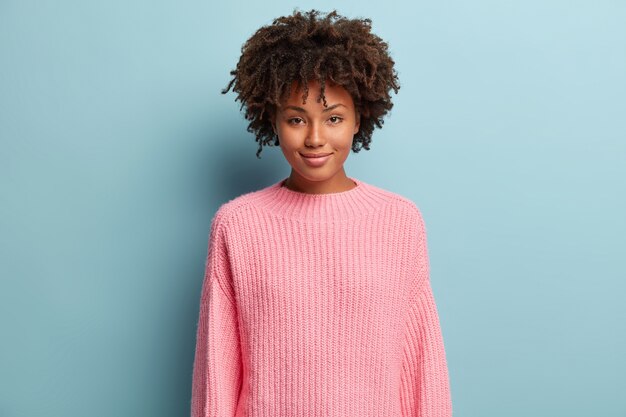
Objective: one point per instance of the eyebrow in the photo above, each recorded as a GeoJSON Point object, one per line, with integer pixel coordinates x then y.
{"type": "Point", "coordinates": [327, 109]}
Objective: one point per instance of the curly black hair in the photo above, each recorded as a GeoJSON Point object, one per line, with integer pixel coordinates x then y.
{"type": "Point", "coordinates": [302, 47]}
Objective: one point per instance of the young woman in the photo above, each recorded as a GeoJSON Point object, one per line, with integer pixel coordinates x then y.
{"type": "Point", "coordinates": [316, 299]}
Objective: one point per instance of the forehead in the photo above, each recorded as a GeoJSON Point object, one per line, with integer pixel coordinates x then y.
{"type": "Point", "coordinates": [333, 92]}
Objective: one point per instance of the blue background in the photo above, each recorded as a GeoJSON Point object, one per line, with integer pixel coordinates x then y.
{"type": "Point", "coordinates": [509, 132]}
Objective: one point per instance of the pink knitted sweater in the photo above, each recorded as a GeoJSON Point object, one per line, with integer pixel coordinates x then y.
{"type": "Point", "coordinates": [319, 305]}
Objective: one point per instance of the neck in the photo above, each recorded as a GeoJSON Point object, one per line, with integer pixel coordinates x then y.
{"type": "Point", "coordinates": [338, 183]}
{"type": "Point", "coordinates": [347, 205]}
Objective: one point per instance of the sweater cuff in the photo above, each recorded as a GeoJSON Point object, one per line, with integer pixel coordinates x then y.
{"type": "Point", "coordinates": [425, 381]}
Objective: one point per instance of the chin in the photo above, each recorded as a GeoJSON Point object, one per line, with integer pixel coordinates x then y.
{"type": "Point", "coordinates": [317, 175]}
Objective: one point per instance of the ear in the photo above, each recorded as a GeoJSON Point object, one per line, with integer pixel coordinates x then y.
{"type": "Point", "coordinates": [358, 123]}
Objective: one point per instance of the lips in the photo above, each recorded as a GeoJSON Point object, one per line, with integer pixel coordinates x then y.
{"type": "Point", "coordinates": [314, 155]}
{"type": "Point", "coordinates": [315, 159]}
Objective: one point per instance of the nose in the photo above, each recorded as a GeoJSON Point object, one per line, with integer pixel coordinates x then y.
{"type": "Point", "coordinates": [314, 136]}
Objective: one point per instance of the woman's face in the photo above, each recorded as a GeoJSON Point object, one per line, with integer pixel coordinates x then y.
{"type": "Point", "coordinates": [312, 129]}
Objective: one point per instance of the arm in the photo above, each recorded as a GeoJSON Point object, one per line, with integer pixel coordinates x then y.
{"type": "Point", "coordinates": [217, 367]}
{"type": "Point", "coordinates": [425, 382]}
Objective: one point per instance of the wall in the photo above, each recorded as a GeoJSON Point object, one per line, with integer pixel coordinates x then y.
{"type": "Point", "coordinates": [117, 148]}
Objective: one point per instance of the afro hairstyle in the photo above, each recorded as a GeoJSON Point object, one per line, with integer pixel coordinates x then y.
{"type": "Point", "coordinates": [320, 46]}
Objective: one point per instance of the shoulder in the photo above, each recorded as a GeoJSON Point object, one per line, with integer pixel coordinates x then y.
{"type": "Point", "coordinates": [400, 204]}
{"type": "Point", "coordinates": [237, 208]}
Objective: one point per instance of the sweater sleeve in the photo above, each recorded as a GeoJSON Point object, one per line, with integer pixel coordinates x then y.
{"type": "Point", "coordinates": [425, 382]}
{"type": "Point", "coordinates": [217, 367]}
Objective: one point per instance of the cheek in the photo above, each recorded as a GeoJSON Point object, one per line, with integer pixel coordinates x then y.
{"type": "Point", "coordinates": [287, 143]}
{"type": "Point", "coordinates": [343, 140]}
{"type": "Point", "coordinates": [288, 148]}
{"type": "Point", "coordinates": [283, 139]}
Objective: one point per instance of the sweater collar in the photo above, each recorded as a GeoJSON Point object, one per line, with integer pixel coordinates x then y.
{"type": "Point", "coordinates": [330, 207]}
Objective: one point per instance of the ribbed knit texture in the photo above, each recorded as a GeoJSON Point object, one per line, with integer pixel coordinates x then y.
{"type": "Point", "coordinates": [319, 305]}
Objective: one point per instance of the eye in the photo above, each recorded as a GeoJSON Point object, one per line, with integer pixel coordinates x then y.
{"type": "Point", "coordinates": [339, 119]}
{"type": "Point", "coordinates": [294, 120]}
